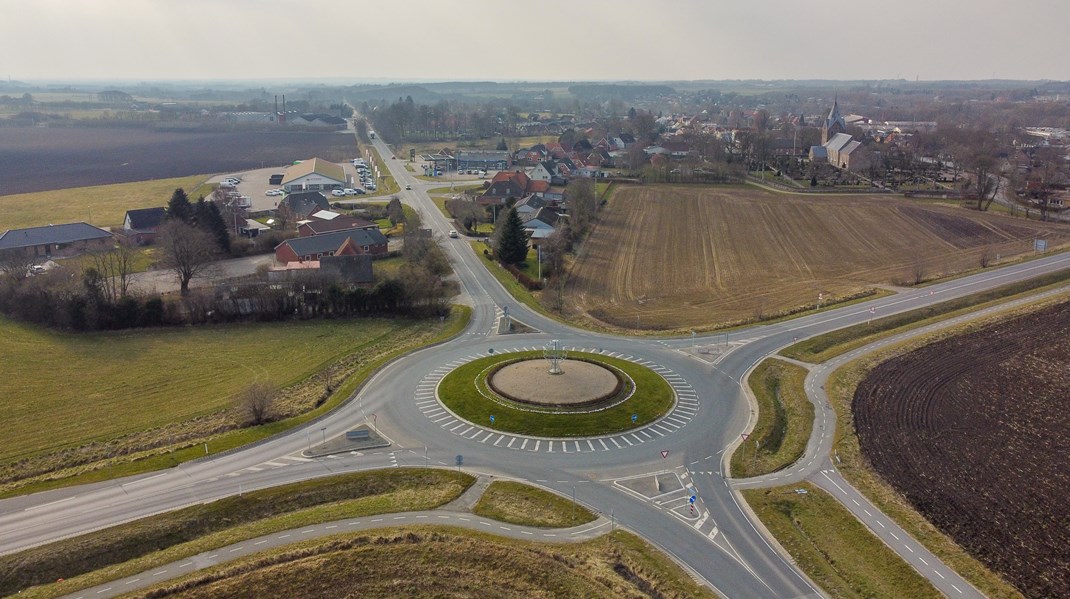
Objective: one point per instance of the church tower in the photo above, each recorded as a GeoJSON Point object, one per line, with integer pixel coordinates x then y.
{"type": "Point", "coordinates": [833, 124]}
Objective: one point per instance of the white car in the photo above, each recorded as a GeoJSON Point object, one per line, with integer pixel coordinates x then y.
{"type": "Point", "coordinates": [274, 192]}
{"type": "Point", "coordinates": [453, 234]}
{"type": "Point", "coordinates": [370, 187]}
{"type": "Point", "coordinates": [349, 191]}
{"type": "Point", "coordinates": [407, 186]}
{"type": "Point", "coordinates": [232, 180]}
{"type": "Point", "coordinates": [338, 193]}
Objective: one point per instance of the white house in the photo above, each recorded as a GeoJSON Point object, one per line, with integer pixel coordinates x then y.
{"type": "Point", "coordinates": [314, 175]}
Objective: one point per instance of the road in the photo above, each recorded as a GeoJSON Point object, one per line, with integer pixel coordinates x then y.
{"type": "Point", "coordinates": [643, 479]}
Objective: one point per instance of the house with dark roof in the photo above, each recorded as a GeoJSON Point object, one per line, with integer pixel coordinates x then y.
{"type": "Point", "coordinates": [326, 221]}
{"type": "Point", "coordinates": [315, 247]}
{"type": "Point", "coordinates": [55, 241]}
{"type": "Point", "coordinates": [298, 206]}
{"type": "Point", "coordinates": [140, 226]}
{"type": "Point", "coordinates": [508, 185]}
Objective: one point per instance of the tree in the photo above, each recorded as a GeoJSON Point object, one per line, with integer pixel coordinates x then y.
{"type": "Point", "coordinates": [582, 204]}
{"type": "Point", "coordinates": [179, 207]}
{"type": "Point", "coordinates": [554, 249]}
{"type": "Point", "coordinates": [254, 403]}
{"type": "Point", "coordinates": [209, 219]}
{"type": "Point", "coordinates": [185, 250]}
{"type": "Point", "coordinates": [16, 263]}
{"type": "Point", "coordinates": [512, 247]}
{"type": "Point", "coordinates": [111, 274]}
{"type": "Point", "coordinates": [394, 211]}
{"type": "Point", "coordinates": [502, 146]}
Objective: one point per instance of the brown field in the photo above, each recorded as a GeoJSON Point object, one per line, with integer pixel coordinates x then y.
{"type": "Point", "coordinates": [973, 430]}
{"type": "Point", "coordinates": [41, 159]}
{"type": "Point", "coordinates": [677, 257]}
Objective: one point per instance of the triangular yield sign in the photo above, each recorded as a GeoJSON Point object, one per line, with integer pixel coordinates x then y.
{"type": "Point", "coordinates": [665, 453]}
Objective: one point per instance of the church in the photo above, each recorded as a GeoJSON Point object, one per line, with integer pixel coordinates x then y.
{"type": "Point", "coordinates": [837, 147]}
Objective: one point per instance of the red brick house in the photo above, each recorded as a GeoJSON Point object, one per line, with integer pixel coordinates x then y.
{"type": "Point", "coordinates": [326, 221]}
{"type": "Point", "coordinates": [347, 241]}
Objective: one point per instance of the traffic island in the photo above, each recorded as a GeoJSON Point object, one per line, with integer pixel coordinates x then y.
{"type": "Point", "coordinates": [553, 394]}
{"type": "Point", "coordinates": [358, 439]}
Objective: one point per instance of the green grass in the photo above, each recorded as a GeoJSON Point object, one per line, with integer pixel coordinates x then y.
{"type": "Point", "coordinates": [517, 503]}
{"type": "Point", "coordinates": [386, 184]}
{"type": "Point", "coordinates": [63, 389]}
{"type": "Point", "coordinates": [127, 549]}
{"type": "Point", "coordinates": [323, 342]}
{"type": "Point", "coordinates": [834, 549]}
{"type": "Point", "coordinates": [458, 188]}
{"type": "Point", "coordinates": [825, 347]}
{"type": "Point", "coordinates": [100, 205]}
{"type": "Point", "coordinates": [785, 420]}
{"type": "Point", "coordinates": [518, 291]}
{"type": "Point", "coordinates": [653, 397]}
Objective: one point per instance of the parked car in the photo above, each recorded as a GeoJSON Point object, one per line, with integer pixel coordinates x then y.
{"type": "Point", "coordinates": [349, 191]}
{"type": "Point", "coordinates": [338, 193]}
{"type": "Point", "coordinates": [275, 192]}
{"type": "Point", "coordinates": [359, 191]}
{"type": "Point", "coordinates": [232, 180]}
{"type": "Point", "coordinates": [370, 187]}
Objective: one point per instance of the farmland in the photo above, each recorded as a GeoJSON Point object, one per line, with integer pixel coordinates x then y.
{"type": "Point", "coordinates": [40, 159]}
{"type": "Point", "coordinates": [665, 257]}
{"type": "Point", "coordinates": [973, 431]}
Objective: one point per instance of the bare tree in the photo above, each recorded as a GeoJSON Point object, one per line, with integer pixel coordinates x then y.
{"type": "Point", "coordinates": [254, 403]}
{"type": "Point", "coordinates": [114, 268]}
{"type": "Point", "coordinates": [16, 263]}
{"type": "Point", "coordinates": [582, 204]}
{"type": "Point", "coordinates": [986, 256]}
{"type": "Point", "coordinates": [185, 250]}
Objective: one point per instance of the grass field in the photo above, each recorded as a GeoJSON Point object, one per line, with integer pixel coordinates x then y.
{"type": "Point", "coordinates": [525, 505]}
{"type": "Point", "coordinates": [60, 390]}
{"type": "Point", "coordinates": [126, 549]}
{"type": "Point", "coordinates": [453, 562]}
{"type": "Point", "coordinates": [679, 257]}
{"type": "Point", "coordinates": [825, 347]}
{"type": "Point", "coordinates": [100, 205]}
{"type": "Point", "coordinates": [834, 549]}
{"type": "Point", "coordinates": [785, 420]}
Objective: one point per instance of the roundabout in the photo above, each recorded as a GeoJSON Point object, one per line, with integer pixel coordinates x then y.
{"type": "Point", "coordinates": [590, 395]}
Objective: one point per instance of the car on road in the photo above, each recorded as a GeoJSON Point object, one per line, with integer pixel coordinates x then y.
{"type": "Point", "coordinates": [338, 193]}
{"type": "Point", "coordinates": [407, 186]}
{"type": "Point", "coordinates": [453, 234]}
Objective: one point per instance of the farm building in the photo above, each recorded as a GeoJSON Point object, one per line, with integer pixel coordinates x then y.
{"type": "Point", "coordinates": [487, 160]}
{"type": "Point", "coordinates": [314, 174]}
{"type": "Point", "coordinates": [55, 241]}
{"type": "Point", "coordinates": [346, 242]}
{"type": "Point", "coordinates": [140, 226]}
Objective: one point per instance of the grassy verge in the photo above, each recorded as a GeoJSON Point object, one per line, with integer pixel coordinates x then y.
{"type": "Point", "coordinates": [387, 184]}
{"type": "Point", "coordinates": [455, 563]}
{"type": "Point", "coordinates": [854, 467]}
{"type": "Point", "coordinates": [127, 549]}
{"type": "Point", "coordinates": [653, 397]}
{"type": "Point", "coordinates": [518, 291]}
{"type": "Point", "coordinates": [166, 457]}
{"type": "Point", "coordinates": [785, 420]}
{"type": "Point", "coordinates": [825, 347]}
{"type": "Point", "coordinates": [101, 205]}
{"type": "Point", "coordinates": [525, 505]}
{"type": "Point", "coordinates": [834, 549]}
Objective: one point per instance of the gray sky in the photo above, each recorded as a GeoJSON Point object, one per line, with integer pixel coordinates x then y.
{"type": "Point", "coordinates": [540, 40]}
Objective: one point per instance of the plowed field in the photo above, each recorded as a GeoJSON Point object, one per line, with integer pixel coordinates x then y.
{"type": "Point", "coordinates": [679, 257]}
{"type": "Point", "coordinates": [974, 431]}
{"type": "Point", "coordinates": [41, 159]}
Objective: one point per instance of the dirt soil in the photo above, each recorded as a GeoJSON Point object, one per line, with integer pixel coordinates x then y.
{"type": "Point", "coordinates": [671, 257]}
{"type": "Point", "coordinates": [40, 158]}
{"type": "Point", "coordinates": [974, 431]}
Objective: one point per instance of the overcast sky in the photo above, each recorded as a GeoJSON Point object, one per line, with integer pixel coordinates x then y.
{"type": "Point", "coordinates": [539, 40]}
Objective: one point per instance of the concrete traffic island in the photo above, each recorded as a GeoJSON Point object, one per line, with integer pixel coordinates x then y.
{"type": "Point", "coordinates": [577, 384]}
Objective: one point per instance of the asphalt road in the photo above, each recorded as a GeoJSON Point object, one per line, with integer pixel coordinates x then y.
{"type": "Point", "coordinates": [643, 480]}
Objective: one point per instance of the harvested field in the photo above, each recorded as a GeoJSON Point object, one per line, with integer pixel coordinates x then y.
{"type": "Point", "coordinates": [974, 431]}
{"type": "Point", "coordinates": [41, 159]}
{"type": "Point", "coordinates": [678, 257]}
